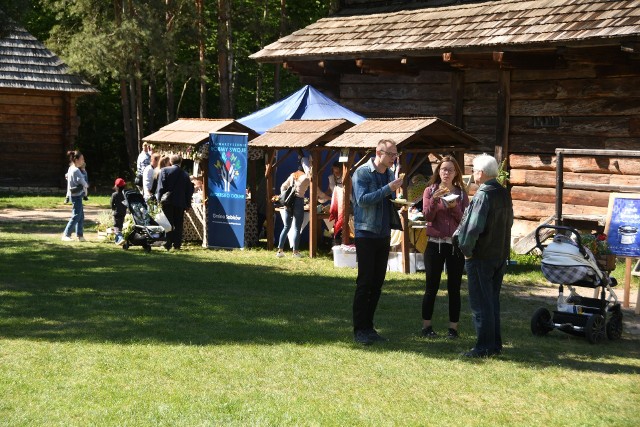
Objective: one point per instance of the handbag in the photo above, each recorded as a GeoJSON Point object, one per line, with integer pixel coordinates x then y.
{"type": "Point", "coordinates": [394, 218]}
{"type": "Point", "coordinates": [288, 197]}
{"type": "Point", "coordinates": [163, 221]}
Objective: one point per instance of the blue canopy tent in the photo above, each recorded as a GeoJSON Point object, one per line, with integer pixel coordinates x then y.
{"type": "Point", "coordinates": [306, 104]}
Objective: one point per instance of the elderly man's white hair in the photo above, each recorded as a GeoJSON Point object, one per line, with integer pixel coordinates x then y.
{"type": "Point", "coordinates": [487, 164]}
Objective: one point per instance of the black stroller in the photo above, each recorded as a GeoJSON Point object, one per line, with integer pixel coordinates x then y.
{"type": "Point", "coordinates": [146, 230]}
{"type": "Point", "coordinates": [566, 262]}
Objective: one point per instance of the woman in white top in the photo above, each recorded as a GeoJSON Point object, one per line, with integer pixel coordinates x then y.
{"type": "Point", "coordinates": [300, 180]}
{"type": "Point", "coordinates": [77, 186]}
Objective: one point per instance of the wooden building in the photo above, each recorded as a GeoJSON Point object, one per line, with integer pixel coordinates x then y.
{"type": "Point", "coordinates": [523, 77]}
{"type": "Point", "coordinates": [38, 117]}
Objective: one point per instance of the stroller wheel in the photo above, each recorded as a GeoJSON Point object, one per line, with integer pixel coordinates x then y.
{"type": "Point", "coordinates": [614, 325]}
{"type": "Point", "coordinates": [541, 322]}
{"type": "Point", "coordinates": [595, 329]}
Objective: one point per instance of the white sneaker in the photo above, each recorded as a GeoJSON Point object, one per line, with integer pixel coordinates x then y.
{"type": "Point", "coordinates": [81, 239]}
{"type": "Point", "coordinates": [297, 254]}
{"type": "Point", "coordinates": [279, 254]}
{"type": "Point", "coordinates": [66, 239]}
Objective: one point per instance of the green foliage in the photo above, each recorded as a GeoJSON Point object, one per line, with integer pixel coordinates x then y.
{"type": "Point", "coordinates": [503, 174]}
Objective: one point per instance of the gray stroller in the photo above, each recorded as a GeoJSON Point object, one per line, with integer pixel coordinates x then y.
{"type": "Point", "coordinates": [566, 262]}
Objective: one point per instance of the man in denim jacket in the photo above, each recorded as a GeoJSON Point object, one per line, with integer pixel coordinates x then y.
{"type": "Point", "coordinates": [373, 188]}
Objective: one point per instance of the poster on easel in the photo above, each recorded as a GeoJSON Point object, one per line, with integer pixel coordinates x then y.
{"type": "Point", "coordinates": [623, 224]}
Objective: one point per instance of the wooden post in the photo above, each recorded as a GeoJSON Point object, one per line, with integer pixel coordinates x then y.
{"type": "Point", "coordinates": [269, 174]}
{"type": "Point", "coordinates": [404, 218]}
{"type": "Point", "coordinates": [627, 282]}
{"type": "Point", "coordinates": [559, 185]}
{"type": "Point", "coordinates": [457, 108]}
{"type": "Point", "coordinates": [313, 202]}
{"type": "Point", "coordinates": [503, 116]}
{"type": "Point", "coordinates": [204, 164]}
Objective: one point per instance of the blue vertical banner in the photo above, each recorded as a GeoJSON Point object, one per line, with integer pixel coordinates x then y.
{"type": "Point", "coordinates": [227, 184]}
{"type": "Point", "coordinates": [623, 224]}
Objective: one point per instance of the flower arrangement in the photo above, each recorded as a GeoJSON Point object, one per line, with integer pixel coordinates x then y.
{"type": "Point", "coordinates": [127, 226]}
{"type": "Point", "coordinates": [596, 243]}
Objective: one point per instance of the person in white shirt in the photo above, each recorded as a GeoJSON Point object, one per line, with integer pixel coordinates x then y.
{"type": "Point", "coordinates": [147, 177]}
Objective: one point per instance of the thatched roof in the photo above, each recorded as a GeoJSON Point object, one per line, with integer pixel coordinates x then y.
{"type": "Point", "coordinates": [25, 63]}
{"type": "Point", "coordinates": [301, 133]}
{"type": "Point", "coordinates": [501, 24]}
{"type": "Point", "coordinates": [195, 131]}
{"type": "Point", "coordinates": [416, 133]}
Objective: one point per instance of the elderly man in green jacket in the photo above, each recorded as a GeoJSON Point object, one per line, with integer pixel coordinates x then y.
{"type": "Point", "coordinates": [484, 237]}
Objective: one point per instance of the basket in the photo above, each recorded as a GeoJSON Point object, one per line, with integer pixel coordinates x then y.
{"type": "Point", "coordinates": [606, 262]}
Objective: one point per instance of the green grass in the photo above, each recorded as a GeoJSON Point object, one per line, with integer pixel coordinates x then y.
{"type": "Point", "coordinates": [94, 335]}
{"type": "Point", "coordinates": [27, 201]}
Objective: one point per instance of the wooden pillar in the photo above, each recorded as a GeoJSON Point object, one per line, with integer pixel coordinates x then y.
{"type": "Point", "coordinates": [314, 182]}
{"type": "Point", "coordinates": [559, 185]}
{"type": "Point", "coordinates": [504, 107]}
{"type": "Point", "coordinates": [204, 165]}
{"type": "Point", "coordinates": [457, 108]}
{"type": "Point", "coordinates": [404, 218]}
{"type": "Point", "coordinates": [269, 174]}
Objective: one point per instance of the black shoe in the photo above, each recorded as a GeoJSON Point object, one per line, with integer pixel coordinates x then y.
{"type": "Point", "coordinates": [429, 332]}
{"type": "Point", "coordinates": [452, 334]}
{"type": "Point", "coordinates": [375, 336]}
{"type": "Point", "coordinates": [167, 246]}
{"type": "Point", "coordinates": [362, 337]}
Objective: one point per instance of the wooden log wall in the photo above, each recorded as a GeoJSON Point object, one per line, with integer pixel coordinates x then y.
{"type": "Point", "coordinates": [36, 129]}
{"type": "Point", "coordinates": [582, 106]}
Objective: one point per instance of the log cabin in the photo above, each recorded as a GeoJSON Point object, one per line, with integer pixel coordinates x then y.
{"type": "Point", "coordinates": [523, 77]}
{"type": "Point", "coordinates": [38, 117]}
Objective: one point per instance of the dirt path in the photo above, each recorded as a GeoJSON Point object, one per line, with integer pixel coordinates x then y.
{"type": "Point", "coordinates": [546, 294]}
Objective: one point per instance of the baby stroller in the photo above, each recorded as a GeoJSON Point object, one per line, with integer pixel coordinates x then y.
{"type": "Point", "coordinates": [566, 262]}
{"type": "Point", "coordinates": [146, 230]}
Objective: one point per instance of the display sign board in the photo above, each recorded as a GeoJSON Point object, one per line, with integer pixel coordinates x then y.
{"type": "Point", "coordinates": [623, 224]}
{"type": "Point", "coordinates": [227, 184]}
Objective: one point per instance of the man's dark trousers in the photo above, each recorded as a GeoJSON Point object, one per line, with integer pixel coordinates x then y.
{"type": "Point", "coordinates": [175, 215]}
{"type": "Point", "coordinates": [373, 255]}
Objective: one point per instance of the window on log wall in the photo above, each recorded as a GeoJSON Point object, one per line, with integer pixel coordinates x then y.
{"type": "Point", "coordinates": [546, 122]}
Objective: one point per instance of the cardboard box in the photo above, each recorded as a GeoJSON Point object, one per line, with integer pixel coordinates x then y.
{"type": "Point", "coordinates": [416, 262]}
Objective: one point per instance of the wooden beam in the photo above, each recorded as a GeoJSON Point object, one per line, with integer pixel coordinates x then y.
{"type": "Point", "coordinates": [313, 202]}
{"type": "Point", "coordinates": [346, 199]}
{"type": "Point", "coordinates": [504, 107]}
{"type": "Point", "coordinates": [269, 174]}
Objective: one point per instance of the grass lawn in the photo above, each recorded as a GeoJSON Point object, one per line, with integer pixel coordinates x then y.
{"type": "Point", "coordinates": [94, 335]}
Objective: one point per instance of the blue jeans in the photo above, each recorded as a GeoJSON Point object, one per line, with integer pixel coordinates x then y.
{"type": "Point", "coordinates": [485, 281]}
{"type": "Point", "coordinates": [77, 217]}
{"type": "Point", "coordinates": [297, 216]}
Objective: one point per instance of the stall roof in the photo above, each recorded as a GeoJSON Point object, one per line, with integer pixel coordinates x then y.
{"type": "Point", "coordinates": [301, 133]}
{"type": "Point", "coordinates": [195, 131]}
{"type": "Point", "coordinates": [423, 133]}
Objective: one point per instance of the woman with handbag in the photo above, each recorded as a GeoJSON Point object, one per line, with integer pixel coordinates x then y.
{"type": "Point", "coordinates": [443, 212]}
{"type": "Point", "coordinates": [294, 213]}
{"type": "Point", "coordinates": [77, 186]}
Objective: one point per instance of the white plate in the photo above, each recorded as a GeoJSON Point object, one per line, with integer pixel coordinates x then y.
{"type": "Point", "coordinates": [450, 198]}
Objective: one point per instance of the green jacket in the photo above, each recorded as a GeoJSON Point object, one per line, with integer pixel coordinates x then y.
{"type": "Point", "coordinates": [485, 229]}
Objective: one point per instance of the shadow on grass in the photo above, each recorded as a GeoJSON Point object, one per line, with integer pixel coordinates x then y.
{"type": "Point", "coordinates": [97, 292]}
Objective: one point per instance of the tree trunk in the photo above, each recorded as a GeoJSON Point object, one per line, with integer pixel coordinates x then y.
{"type": "Point", "coordinates": [276, 75]}
{"type": "Point", "coordinates": [133, 111]}
{"type": "Point", "coordinates": [224, 60]}
{"type": "Point", "coordinates": [169, 71]}
{"type": "Point", "coordinates": [203, 65]}
{"type": "Point", "coordinates": [130, 142]}
{"type": "Point", "coordinates": [152, 100]}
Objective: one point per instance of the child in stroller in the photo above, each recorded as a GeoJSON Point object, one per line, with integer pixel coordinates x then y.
{"type": "Point", "coordinates": [568, 263]}
{"type": "Point", "coordinates": [146, 230]}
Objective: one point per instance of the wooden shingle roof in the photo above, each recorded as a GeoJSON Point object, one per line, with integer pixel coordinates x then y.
{"type": "Point", "coordinates": [195, 131]}
{"type": "Point", "coordinates": [25, 63]}
{"type": "Point", "coordinates": [414, 133]}
{"type": "Point", "coordinates": [429, 31]}
{"type": "Point", "coordinates": [301, 133]}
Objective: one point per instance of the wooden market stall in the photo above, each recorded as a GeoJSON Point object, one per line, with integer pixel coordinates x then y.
{"type": "Point", "coordinates": [298, 136]}
{"type": "Point", "coordinates": [190, 139]}
{"type": "Point", "coordinates": [417, 138]}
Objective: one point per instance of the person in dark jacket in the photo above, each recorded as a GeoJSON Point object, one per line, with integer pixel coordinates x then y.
{"type": "Point", "coordinates": [174, 193]}
{"type": "Point", "coordinates": [484, 238]}
{"type": "Point", "coordinates": [118, 209]}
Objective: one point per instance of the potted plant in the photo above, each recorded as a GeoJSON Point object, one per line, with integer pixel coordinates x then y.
{"type": "Point", "coordinates": [597, 244]}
